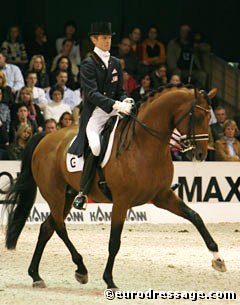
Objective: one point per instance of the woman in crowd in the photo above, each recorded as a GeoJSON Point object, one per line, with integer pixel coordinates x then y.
{"type": "Point", "coordinates": [139, 93]}
{"type": "Point", "coordinates": [56, 108]}
{"type": "Point", "coordinates": [227, 148]}
{"type": "Point", "coordinates": [37, 64]}
{"type": "Point", "coordinates": [7, 95]}
{"type": "Point", "coordinates": [16, 149]}
{"type": "Point", "coordinates": [65, 120]}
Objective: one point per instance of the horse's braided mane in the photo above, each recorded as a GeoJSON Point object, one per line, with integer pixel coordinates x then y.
{"type": "Point", "coordinates": [163, 87]}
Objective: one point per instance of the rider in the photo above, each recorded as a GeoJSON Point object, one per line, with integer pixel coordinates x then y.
{"type": "Point", "coordinates": [103, 97]}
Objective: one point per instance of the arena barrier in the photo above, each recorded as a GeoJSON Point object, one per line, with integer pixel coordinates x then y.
{"type": "Point", "coordinates": [210, 188]}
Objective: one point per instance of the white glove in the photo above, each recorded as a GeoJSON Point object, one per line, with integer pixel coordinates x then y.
{"type": "Point", "coordinates": [129, 100]}
{"type": "Point", "coordinates": [123, 107]}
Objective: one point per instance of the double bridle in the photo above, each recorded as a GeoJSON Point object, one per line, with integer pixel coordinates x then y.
{"type": "Point", "coordinates": [186, 141]}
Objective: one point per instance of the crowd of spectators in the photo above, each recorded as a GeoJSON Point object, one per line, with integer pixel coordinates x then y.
{"type": "Point", "coordinates": [40, 86]}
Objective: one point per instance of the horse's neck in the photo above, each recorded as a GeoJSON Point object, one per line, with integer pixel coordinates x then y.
{"type": "Point", "coordinates": [158, 115]}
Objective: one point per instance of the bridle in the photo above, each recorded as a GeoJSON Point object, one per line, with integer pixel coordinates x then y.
{"type": "Point", "coordinates": [186, 141]}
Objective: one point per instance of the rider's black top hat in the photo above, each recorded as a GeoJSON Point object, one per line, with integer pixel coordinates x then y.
{"type": "Point", "coordinates": [101, 28]}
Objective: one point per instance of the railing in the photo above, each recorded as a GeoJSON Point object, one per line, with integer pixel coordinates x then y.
{"type": "Point", "coordinates": [227, 79]}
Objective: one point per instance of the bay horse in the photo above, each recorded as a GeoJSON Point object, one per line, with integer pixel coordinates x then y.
{"type": "Point", "coordinates": [139, 174]}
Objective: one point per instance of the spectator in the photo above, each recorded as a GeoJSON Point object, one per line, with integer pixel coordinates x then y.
{"type": "Point", "coordinates": [50, 126]}
{"type": "Point", "coordinates": [7, 96]}
{"type": "Point", "coordinates": [135, 38]}
{"type": "Point", "coordinates": [183, 58]}
{"type": "Point", "coordinates": [16, 149]}
{"type": "Point", "coordinates": [153, 50]}
{"type": "Point", "coordinates": [22, 118]}
{"type": "Point", "coordinates": [67, 46]}
{"type": "Point", "coordinates": [38, 93]}
{"type": "Point", "coordinates": [34, 112]}
{"type": "Point", "coordinates": [57, 107]}
{"type": "Point", "coordinates": [159, 76]}
{"type": "Point", "coordinates": [129, 83]}
{"type": "Point", "coordinates": [70, 97]}
{"type": "Point", "coordinates": [132, 65]}
{"type": "Point", "coordinates": [13, 74]}
{"type": "Point", "coordinates": [70, 33]}
{"type": "Point", "coordinates": [40, 45]}
{"type": "Point", "coordinates": [175, 79]}
{"type": "Point", "coordinates": [221, 116]}
{"type": "Point", "coordinates": [64, 64]}
{"type": "Point", "coordinates": [4, 126]}
{"type": "Point", "coordinates": [203, 51]}
{"type": "Point", "coordinates": [228, 147]}
{"type": "Point", "coordinates": [139, 93]}
{"type": "Point", "coordinates": [37, 64]}
{"type": "Point", "coordinates": [14, 49]}
{"type": "Point", "coordinates": [65, 120]}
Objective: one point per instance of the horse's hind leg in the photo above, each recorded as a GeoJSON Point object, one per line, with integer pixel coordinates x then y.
{"type": "Point", "coordinates": [45, 233]}
{"type": "Point", "coordinates": [81, 273]}
{"type": "Point", "coordinates": [118, 218]}
{"type": "Point", "coordinates": [175, 205]}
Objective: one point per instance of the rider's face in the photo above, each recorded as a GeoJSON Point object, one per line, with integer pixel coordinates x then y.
{"type": "Point", "coordinates": [102, 42]}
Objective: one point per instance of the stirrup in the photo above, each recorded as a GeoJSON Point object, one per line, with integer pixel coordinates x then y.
{"type": "Point", "coordinates": [80, 201]}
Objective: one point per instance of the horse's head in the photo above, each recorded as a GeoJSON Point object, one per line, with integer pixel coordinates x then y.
{"type": "Point", "coordinates": [192, 121]}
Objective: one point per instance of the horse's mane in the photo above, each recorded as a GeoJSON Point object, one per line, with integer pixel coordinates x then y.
{"type": "Point", "coordinates": [127, 129]}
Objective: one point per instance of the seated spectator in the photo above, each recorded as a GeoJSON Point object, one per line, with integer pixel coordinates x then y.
{"type": "Point", "coordinates": [4, 125]}
{"type": "Point", "coordinates": [50, 126]}
{"type": "Point", "coordinates": [183, 59]}
{"type": "Point", "coordinates": [65, 120]}
{"type": "Point", "coordinates": [132, 65]}
{"type": "Point", "coordinates": [221, 116]}
{"type": "Point", "coordinates": [56, 107]}
{"type": "Point", "coordinates": [7, 95]}
{"type": "Point", "coordinates": [64, 64]}
{"type": "Point", "coordinates": [70, 30]}
{"type": "Point", "coordinates": [22, 118]}
{"type": "Point", "coordinates": [129, 83]}
{"type": "Point", "coordinates": [13, 74]}
{"type": "Point", "coordinates": [175, 79]}
{"type": "Point", "coordinates": [16, 149]}
{"type": "Point", "coordinates": [145, 86]}
{"type": "Point", "coordinates": [153, 50]}
{"type": "Point", "coordinates": [135, 39]}
{"type": "Point", "coordinates": [40, 45]}
{"type": "Point", "coordinates": [34, 112]}
{"type": "Point", "coordinates": [70, 97]}
{"type": "Point", "coordinates": [228, 147]}
{"type": "Point", "coordinates": [203, 51]}
{"type": "Point", "coordinates": [159, 76]}
{"type": "Point", "coordinates": [38, 93]}
{"type": "Point", "coordinates": [37, 64]}
{"type": "Point", "coordinates": [14, 49]}
{"type": "Point", "coordinates": [67, 46]}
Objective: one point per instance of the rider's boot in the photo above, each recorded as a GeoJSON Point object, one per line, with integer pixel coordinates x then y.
{"type": "Point", "coordinates": [88, 174]}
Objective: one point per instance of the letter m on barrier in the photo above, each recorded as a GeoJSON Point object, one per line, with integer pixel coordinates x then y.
{"type": "Point", "coordinates": [196, 188]}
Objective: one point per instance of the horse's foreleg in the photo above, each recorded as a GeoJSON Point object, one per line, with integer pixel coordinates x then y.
{"type": "Point", "coordinates": [175, 205]}
{"type": "Point", "coordinates": [45, 233]}
{"type": "Point", "coordinates": [118, 218]}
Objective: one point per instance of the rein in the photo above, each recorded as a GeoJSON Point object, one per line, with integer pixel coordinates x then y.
{"type": "Point", "coordinates": [187, 141]}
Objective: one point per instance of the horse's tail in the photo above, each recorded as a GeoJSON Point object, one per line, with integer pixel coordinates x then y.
{"type": "Point", "coordinates": [21, 195]}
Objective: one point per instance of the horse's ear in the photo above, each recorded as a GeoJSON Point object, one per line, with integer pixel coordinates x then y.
{"type": "Point", "coordinates": [212, 93]}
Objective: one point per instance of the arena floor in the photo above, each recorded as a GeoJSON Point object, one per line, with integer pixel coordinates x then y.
{"type": "Point", "coordinates": [162, 257]}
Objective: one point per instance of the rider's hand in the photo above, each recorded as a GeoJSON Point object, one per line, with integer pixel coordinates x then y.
{"type": "Point", "coordinates": [123, 107]}
{"type": "Point", "coordinates": [129, 100]}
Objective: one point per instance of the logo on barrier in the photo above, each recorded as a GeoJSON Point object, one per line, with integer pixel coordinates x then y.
{"type": "Point", "coordinates": [6, 180]}
{"type": "Point", "coordinates": [213, 190]}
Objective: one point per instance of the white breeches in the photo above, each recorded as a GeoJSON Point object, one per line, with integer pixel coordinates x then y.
{"type": "Point", "coordinates": [95, 126]}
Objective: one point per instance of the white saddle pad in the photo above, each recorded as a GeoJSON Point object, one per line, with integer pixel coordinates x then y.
{"type": "Point", "coordinates": [75, 163]}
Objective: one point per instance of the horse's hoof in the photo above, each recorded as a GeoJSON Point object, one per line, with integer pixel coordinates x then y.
{"type": "Point", "coordinates": [219, 265]}
{"type": "Point", "coordinates": [81, 278]}
{"type": "Point", "coordinates": [39, 284]}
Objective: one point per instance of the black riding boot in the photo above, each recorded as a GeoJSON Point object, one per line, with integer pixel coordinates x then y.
{"type": "Point", "coordinates": [88, 174]}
